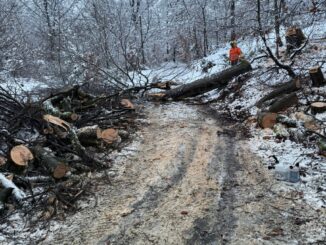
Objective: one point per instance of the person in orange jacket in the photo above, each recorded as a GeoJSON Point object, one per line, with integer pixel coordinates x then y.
{"type": "Point", "coordinates": [235, 53]}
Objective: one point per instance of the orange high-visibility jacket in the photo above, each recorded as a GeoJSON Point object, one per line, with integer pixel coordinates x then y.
{"type": "Point", "coordinates": [235, 54]}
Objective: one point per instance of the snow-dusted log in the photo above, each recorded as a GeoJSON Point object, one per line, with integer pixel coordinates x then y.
{"type": "Point", "coordinates": [209, 83]}
{"type": "Point", "coordinates": [289, 87]}
{"type": "Point", "coordinates": [6, 183]}
{"type": "Point", "coordinates": [284, 103]}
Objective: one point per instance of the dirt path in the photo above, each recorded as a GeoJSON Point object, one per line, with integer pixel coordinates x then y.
{"type": "Point", "coordinates": [191, 181]}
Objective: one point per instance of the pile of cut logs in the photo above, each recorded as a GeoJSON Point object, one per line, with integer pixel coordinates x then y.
{"type": "Point", "coordinates": [46, 144]}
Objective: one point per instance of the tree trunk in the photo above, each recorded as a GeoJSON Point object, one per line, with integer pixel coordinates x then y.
{"type": "Point", "coordinates": [208, 83]}
{"type": "Point", "coordinates": [277, 23]}
{"type": "Point", "coordinates": [317, 77]}
{"type": "Point", "coordinates": [232, 10]}
{"type": "Point", "coordinates": [284, 103]}
{"type": "Point", "coordinates": [288, 87]}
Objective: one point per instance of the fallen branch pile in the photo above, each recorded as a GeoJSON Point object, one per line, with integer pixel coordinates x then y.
{"type": "Point", "coordinates": [45, 145]}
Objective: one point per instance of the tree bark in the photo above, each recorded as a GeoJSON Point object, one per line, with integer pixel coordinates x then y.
{"type": "Point", "coordinates": [208, 83]}
{"type": "Point", "coordinates": [284, 103]}
{"type": "Point", "coordinates": [289, 87]}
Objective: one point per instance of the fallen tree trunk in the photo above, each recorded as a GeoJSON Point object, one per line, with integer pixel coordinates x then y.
{"type": "Point", "coordinates": [208, 83]}
{"type": "Point", "coordinates": [289, 87]}
{"type": "Point", "coordinates": [284, 103]}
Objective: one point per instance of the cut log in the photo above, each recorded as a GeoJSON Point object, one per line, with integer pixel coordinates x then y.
{"type": "Point", "coordinates": [284, 103]}
{"type": "Point", "coordinates": [294, 38]}
{"type": "Point", "coordinates": [266, 119]}
{"type": "Point", "coordinates": [89, 135]}
{"type": "Point", "coordinates": [289, 87]}
{"type": "Point", "coordinates": [126, 104]}
{"type": "Point", "coordinates": [208, 83]}
{"type": "Point", "coordinates": [6, 183]}
{"type": "Point", "coordinates": [318, 107]}
{"type": "Point", "coordinates": [53, 165]}
{"type": "Point", "coordinates": [21, 155]}
{"type": "Point", "coordinates": [317, 77]}
{"type": "Point", "coordinates": [110, 135]}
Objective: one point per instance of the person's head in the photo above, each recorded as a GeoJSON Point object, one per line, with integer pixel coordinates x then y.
{"type": "Point", "coordinates": [233, 44]}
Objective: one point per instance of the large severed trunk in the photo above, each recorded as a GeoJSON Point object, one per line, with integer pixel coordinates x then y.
{"type": "Point", "coordinates": [209, 83]}
{"type": "Point", "coordinates": [284, 103]}
{"type": "Point", "coordinates": [289, 87]}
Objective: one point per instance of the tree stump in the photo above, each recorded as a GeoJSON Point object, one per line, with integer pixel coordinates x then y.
{"type": "Point", "coordinates": [317, 77]}
{"type": "Point", "coordinates": [294, 38]}
{"type": "Point", "coordinates": [318, 107]}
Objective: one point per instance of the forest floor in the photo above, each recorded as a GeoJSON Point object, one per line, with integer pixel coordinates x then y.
{"type": "Point", "coordinates": [189, 177]}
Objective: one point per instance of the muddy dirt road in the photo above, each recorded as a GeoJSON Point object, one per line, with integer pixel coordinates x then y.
{"type": "Point", "coordinates": [191, 180]}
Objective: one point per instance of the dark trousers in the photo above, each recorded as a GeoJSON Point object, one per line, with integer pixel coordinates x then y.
{"type": "Point", "coordinates": [234, 62]}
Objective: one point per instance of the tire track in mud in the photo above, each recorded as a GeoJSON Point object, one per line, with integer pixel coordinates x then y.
{"type": "Point", "coordinates": [216, 227]}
